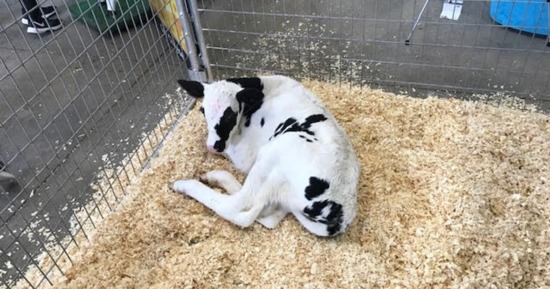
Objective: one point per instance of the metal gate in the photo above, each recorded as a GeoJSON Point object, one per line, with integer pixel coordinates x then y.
{"type": "Point", "coordinates": [84, 110]}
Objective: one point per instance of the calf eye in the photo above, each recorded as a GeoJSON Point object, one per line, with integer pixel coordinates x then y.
{"type": "Point", "coordinates": [202, 110]}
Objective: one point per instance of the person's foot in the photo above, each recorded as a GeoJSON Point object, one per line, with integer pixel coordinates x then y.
{"type": "Point", "coordinates": [45, 25]}
{"type": "Point", "coordinates": [47, 12]}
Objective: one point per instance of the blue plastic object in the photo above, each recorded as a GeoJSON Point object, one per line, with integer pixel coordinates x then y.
{"type": "Point", "coordinates": [524, 15]}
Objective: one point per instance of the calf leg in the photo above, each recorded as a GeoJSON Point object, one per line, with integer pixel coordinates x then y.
{"type": "Point", "coordinates": [222, 179]}
{"type": "Point", "coordinates": [241, 208]}
{"type": "Point", "coordinates": [230, 207]}
{"type": "Point", "coordinates": [272, 220]}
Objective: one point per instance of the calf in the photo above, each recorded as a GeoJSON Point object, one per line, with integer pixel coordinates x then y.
{"type": "Point", "coordinates": [298, 159]}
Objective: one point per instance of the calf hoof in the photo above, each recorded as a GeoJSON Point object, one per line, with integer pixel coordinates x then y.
{"type": "Point", "coordinates": [204, 179]}
{"type": "Point", "coordinates": [183, 186]}
{"type": "Point", "coordinates": [216, 178]}
{"type": "Point", "coordinates": [192, 188]}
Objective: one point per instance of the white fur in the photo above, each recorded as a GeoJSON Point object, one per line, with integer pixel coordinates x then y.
{"type": "Point", "coordinates": [278, 169]}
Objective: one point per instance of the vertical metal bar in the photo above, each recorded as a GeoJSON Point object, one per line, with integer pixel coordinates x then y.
{"type": "Point", "coordinates": [548, 11]}
{"type": "Point", "coordinates": [195, 72]}
{"type": "Point", "coordinates": [200, 38]}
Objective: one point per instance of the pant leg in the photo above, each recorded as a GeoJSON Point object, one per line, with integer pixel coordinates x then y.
{"type": "Point", "coordinates": [30, 8]}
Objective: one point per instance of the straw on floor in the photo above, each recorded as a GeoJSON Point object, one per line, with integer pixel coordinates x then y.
{"type": "Point", "coordinates": [453, 194]}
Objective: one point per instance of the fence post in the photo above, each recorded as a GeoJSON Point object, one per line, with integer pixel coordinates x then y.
{"type": "Point", "coordinates": [548, 11]}
{"type": "Point", "coordinates": [196, 22]}
{"type": "Point", "coordinates": [196, 72]}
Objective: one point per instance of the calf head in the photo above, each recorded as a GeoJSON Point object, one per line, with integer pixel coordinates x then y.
{"type": "Point", "coordinates": [224, 103]}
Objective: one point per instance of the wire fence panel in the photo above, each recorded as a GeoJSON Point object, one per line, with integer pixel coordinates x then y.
{"type": "Point", "coordinates": [81, 110]}
{"type": "Point", "coordinates": [388, 43]}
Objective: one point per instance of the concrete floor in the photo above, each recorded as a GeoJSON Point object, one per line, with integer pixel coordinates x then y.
{"type": "Point", "coordinates": [71, 97]}
{"type": "Point", "coordinates": [69, 101]}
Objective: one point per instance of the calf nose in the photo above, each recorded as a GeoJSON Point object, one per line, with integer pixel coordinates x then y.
{"type": "Point", "coordinates": [211, 149]}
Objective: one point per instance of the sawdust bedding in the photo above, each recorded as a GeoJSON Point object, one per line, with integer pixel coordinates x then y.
{"type": "Point", "coordinates": [453, 194]}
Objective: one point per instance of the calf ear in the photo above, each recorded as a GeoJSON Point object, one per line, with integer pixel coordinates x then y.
{"type": "Point", "coordinates": [250, 96]}
{"type": "Point", "coordinates": [194, 88]}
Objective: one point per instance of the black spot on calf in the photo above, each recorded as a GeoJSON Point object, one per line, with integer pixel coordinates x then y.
{"type": "Point", "coordinates": [317, 212]}
{"type": "Point", "coordinates": [248, 82]}
{"type": "Point", "coordinates": [250, 100]}
{"type": "Point", "coordinates": [316, 188]}
{"type": "Point", "coordinates": [224, 127]}
{"type": "Point", "coordinates": [334, 219]}
{"type": "Point", "coordinates": [262, 122]}
{"type": "Point", "coordinates": [313, 119]}
{"type": "Point", "coordinates": [292, 125]}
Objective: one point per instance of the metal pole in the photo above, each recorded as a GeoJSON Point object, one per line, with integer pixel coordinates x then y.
{"type": "Point", "coordinates": [200, 38]}
{"type": "Point", "coordinates": [408, 40]}
{"type": "Point", "coordinates": [195, 72]}
{"type": "Point", "coordinates": [548, 11]}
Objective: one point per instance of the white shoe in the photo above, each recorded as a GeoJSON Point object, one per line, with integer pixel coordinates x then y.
{"type": "Point", "coordinates": [46, 25]}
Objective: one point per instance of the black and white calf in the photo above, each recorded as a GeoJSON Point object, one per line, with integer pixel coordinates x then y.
{"type": "Point", "coordinates": [297, 157]}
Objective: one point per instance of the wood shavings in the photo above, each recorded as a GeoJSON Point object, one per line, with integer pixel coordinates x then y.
{"type": "Point", "coordinates": [453, 194]}
{"type": "Point", "coordinates": [318, 56]}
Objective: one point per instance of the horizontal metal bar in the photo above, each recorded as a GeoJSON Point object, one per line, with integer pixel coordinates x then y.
{"type": "Point", "coordinates": [400, 43]}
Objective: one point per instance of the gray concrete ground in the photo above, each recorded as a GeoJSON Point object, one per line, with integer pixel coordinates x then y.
{"type": "Point", "coordinates": [69, 98]}
{"type": "Point", "coordinates": [69, 101]}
